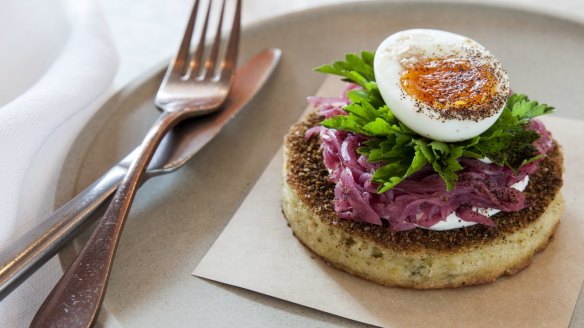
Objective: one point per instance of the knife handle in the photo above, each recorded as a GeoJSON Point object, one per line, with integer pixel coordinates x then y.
{"type": "Point", "coordinates": [29, 252]}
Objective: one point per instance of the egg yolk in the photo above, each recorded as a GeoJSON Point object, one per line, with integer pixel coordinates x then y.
{"type": "Point", "coordinates": [449, 83]}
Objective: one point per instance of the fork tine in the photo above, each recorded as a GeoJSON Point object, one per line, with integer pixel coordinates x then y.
{"type": "Point", "coordinates": [198, 55]}
{"type": "Point", "coordinates": [214, 53]}
{"type": "Point", "coordinates": [179, 64]}
{"type": "Point", "coordinates": [229, 61]}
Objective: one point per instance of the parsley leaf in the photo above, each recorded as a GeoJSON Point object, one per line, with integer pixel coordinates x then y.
{"type": "Point", "coordinates": [524, 109]}
{"type": "Point", "coordinates": [358, 70]}
{"type": "Point", "coordinates": [402, 152]}
{"type": "Point", "coordinates": [509, 142]}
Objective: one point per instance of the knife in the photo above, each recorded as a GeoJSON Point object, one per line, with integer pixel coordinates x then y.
{"type": "Point", "coordinates": [29, 252]}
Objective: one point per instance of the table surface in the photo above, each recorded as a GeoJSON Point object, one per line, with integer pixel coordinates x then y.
{"type": "Point", "coordinates": [147, 32]}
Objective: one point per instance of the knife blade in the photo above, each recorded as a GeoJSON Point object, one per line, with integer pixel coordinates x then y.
{"type": "Point", "coordinates": [37, 246]}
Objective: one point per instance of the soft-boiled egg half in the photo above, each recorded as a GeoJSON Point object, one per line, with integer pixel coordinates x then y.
{"type": "Point", "coordinates": [442, 85]}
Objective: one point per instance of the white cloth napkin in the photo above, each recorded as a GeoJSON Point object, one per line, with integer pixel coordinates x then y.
{"type": "Point", "coordinates": [37, 129]}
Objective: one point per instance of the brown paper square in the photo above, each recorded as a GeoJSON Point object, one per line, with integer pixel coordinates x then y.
{"type": "Point", "coordinates": [257, 251]}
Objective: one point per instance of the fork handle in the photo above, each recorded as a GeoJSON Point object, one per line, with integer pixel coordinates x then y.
{"type": "Point", "coordinates": [76, 299]}
{"type": "Point", "coordinates": [28, 253]}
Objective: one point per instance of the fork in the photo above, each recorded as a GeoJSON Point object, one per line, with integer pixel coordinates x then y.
{"type": "Point", "coordinates": [190, 87]}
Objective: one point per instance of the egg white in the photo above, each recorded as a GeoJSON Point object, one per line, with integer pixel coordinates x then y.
{"type": "Point", "coordinates": [406, 47]}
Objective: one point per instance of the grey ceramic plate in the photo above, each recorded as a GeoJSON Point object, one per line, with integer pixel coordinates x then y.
{"type": "Point", "coordinates": [177, 217]}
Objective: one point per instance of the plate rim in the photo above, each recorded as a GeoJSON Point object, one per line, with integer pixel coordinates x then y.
{"type": "Point", "coordinates": [531, 7]}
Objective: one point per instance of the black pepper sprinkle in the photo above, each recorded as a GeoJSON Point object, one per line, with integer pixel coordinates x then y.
{"type": "Point", "coordinates": [475, 110]}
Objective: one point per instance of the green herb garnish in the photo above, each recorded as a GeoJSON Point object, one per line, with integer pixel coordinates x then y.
{"type": "Point", "coordinates": [508, 142]}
